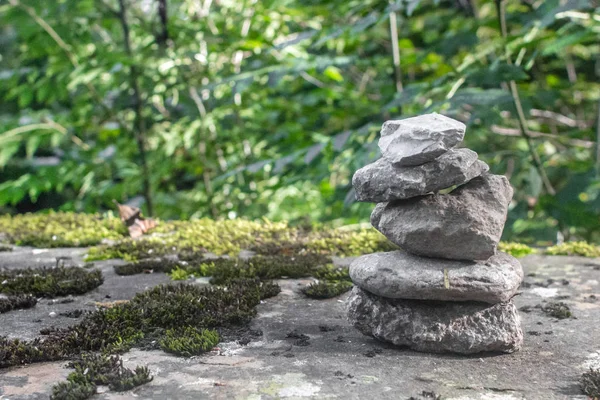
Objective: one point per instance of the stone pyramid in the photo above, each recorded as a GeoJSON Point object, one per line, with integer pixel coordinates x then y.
{"type": "Point", "coordinates": [448, 289]}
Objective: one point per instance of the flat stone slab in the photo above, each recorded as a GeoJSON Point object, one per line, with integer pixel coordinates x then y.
{"type": "Point", "coordinates": [437, 327]}
{"type": "Point", "coordinates": [340, 362]}
{"type": "Point", "coordinates": [465, 224]}
{"type": "Point", "coordinates": [417, 140]}
{"type": "Point", "coordinates": [382, 181]}
{"type": "Point", "coordinates": [401, 275]}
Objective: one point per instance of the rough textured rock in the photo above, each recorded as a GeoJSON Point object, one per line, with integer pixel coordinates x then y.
{"type": "Point", "coordinates": [417, 140]}
{"type": "Point", "coordinates": [399, 275]}
{"type": "Point", "coordinates": [437, 327]}
{"type": "Point", "coordinates": [465, 224]}
{"type": "Point", "coordinates": [382, 181]}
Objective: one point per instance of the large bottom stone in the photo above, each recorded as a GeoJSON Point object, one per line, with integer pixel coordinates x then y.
{"type": "Point", "coordinates": [437, 327]}
{"type": "Point", "coordinates": [401, 275]}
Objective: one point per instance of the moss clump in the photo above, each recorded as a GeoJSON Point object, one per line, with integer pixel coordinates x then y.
{"type": "Point", "coordinates": [179, 274]}
{"type": "Point", "coordinates": [49, 282]}
{"type": "Point", "coordinates": [558, 310]}
{"type": "Point", "coordinates": [60, 229]}
{"type": "Point", "coordinates": [515, 249]}
{"type": "Point", "coordinates": [18, 352]}
{"type": "Point", "coordinates": [189, 341]}
{"type": "Point", "coordinates": [345, 242]}
{"type": "Point", "coordinates": [574, 249]}
{"type": "Point", "coordinates": [143, 320]}
{"type": "Point", "coordinates": [73, 391]}
{"type": "Point", "coordinates": [223, 270]}
{"type": "Point", "coordinates": [590, 383]}
{"type": "Point", "coordinates": [9, 303]}
{"type": "Point", "coordinates": [92, 370]}
{"type": "Point", "coordinates": [147, 265]}
{"type": "Point", "coordinates": [326, 289]}
{"type": "Point", "coordinates": [330, 272]}
{"type": "Point", "coordinates": [4, 247]}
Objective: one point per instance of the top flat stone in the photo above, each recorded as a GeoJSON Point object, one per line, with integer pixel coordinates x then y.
{"type": "Point", "coordinates": [417, 140]}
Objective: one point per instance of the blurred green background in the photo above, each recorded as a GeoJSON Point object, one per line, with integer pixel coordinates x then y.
{"type": "Point", "coordinates": [233, 108]}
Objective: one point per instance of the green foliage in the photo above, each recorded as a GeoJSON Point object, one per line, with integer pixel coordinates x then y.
{"type": "Point", "coordinates": [515, 249]}
{"type": "Point", "coordinates": [49, 282]}
{"type": "Point", "coordinates": [266, 109]}
{"type": "Point", "coordinates": [143, 320]}
{"type": "Point", "coordinates": [574, 249]}
{"type": "Point", "coordinates": [590, 383]}
{"type": "Point", "coordinates": [189, 341]}
{"type": "Point", "coordinates": [21, 301]}
{"type": "Point", "coordinates": [326, 289]}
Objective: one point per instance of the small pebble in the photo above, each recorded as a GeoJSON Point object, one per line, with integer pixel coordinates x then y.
{"type": "Point", "coordinates": [52, 314]}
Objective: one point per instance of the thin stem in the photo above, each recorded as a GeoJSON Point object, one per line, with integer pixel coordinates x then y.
{"type": "Point", "coordinates": [514, 91]}
{"type": "Point", "coordinates": [162, 13]}
{"type": "Point", "coordinates": [395, 51]}
{"type": "Point", "coordinates": [139, 123]}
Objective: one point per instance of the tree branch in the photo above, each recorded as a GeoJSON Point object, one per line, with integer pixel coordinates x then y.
{"type": "Point", "coordinates": [139, 124]}
{"type": "Point", "coordinates": [162, 14]}
{"type": "Point", "coordinates": [501, 11]}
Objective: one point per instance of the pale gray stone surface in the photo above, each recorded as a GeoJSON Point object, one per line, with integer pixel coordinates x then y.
{"type": "Point", "coordinates": [437, 327]}
{"type": "Point", "coordinates": [465, 224]}
{"type": "Point", "coordinates": [382, 181]}
{"type": "Point", "coordinates": [417, 140]}
{"type": "Point", "coordinates": [554, 354]}
{"type": "Point", "coordinates": [400, 275]}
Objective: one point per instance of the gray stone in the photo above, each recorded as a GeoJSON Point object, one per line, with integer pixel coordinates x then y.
{"type": "Point", "coordinates": [400, 275]}
{"type": "Point", "coordinates": [417, 140]}
{"type": "Point", "coordinates": [382, 181]}
{"type": "Point", "coordinates": [437, 327]}
{"type": "Point", "coordinates": [465, 224]}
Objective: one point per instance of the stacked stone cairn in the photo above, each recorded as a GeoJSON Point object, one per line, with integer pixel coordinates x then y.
{"type": "Point", "coordinates": [448, 289]}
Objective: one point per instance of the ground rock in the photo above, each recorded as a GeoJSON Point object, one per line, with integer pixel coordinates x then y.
{"type": "Point", "coordinates": [417, 140]}
{"type": "Point", "coordinates": [400, 275]}
{"type": "Point", "coordinates": [437, 327]}
{"type": "Point", "coordinates": [465, 224]}
{"type": "Point", "coordinates": [382, 181]}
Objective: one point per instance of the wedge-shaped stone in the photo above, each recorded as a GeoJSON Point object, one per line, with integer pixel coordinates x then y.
{"type": "Point", "coordinates": [465, 224]}
{"type": "Point", "coordinates": [399, 275]}
{"type": "Point", "coordinates": [381, 181]}
{"type": "Point", "coordinates": [417, 140]}
{"type": "Point", "coordinates": [437, 327]}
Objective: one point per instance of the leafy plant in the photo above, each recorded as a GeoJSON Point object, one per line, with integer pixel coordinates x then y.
{"type": "Point", "coordinates": [265, 109]}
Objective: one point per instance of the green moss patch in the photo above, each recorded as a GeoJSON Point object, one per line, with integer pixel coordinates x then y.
{"type": "Point", "coordinates": [590, 383]}
{"type": "Point", "coordinates": [144, 321]}
{"type": "Point", "coordinates": [61, 229]}
{"type": "Point", "coordinates": [223, 270]}
{"type": "Point", "coordinates": [558, 310]}
{"type": "Point", "coordinates": [49, 282]}
{"type": "Point", "coordinates": [189, 239]}
{"type": "Point", "coordinates": [92, 370]}
{"type": "Point", "coordinates": [517, 250]}
{"type": "Point", "coordinates": [147, 266]}
{"type": "Point", "coordinates": [574, 249]}
{"type": "Point", "coordinates": [326, 289]}
{"type": "Point", "coordinates": [9, 303]}
{"type": "Point", "coordinates": [189, 341]}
